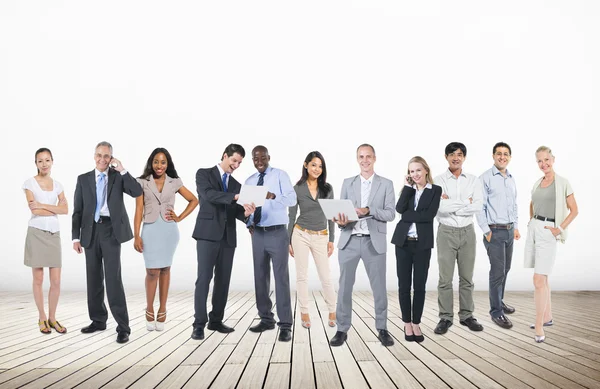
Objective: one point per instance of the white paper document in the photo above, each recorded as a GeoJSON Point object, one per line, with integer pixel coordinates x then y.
{"type": "Point", "coordinates": [332, 208]}
{"type": "Point", "coordinates": [253, 194]}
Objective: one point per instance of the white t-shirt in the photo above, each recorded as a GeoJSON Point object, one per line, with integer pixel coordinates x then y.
{"type": "Point", "coordinates": [46, 223]}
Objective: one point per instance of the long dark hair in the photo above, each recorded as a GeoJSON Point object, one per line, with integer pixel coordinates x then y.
{"type": "Point", "coordinates": [322, 184]}
{"type": "Point", "coordinates": [148, 171]}
{"type": "Point", "coordinates": [42, 150]}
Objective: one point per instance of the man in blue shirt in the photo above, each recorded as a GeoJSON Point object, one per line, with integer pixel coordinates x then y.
{"type": "Point", "coordinates": [270, 242]}
{"type": "Point", "coordinates": [499, 222]}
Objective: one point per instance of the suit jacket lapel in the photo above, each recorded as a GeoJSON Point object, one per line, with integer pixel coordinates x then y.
{"type": "Point", "coordinates": [425, 198]}
{"type": "Point", "coordinates": [154, 188]}
{"type": "Point", "coordinates": [92, 181]}
{"type": "Point", "coordinates": [374, 187]}
{"type": "Point", "coordinates": [357, 183]}
{"type": "Point", "coordinates": [217, 175]}
{"type": "Point", "coordinates": [111, 180]}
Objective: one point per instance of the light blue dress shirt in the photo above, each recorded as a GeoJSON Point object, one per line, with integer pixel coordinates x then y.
{"type": "Point", "coordinates": [274, 212]}
{"type": "Point", "coordinates": [499, 200]}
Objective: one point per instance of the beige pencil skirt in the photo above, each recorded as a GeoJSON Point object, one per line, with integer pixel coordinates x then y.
{"type": "Point", "coordinates": [42, 248]}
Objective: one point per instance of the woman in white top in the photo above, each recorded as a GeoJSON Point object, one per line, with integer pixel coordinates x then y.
{"type": "Point", "coordinates": [46, 200]}
{"type": "Point", "coordinates": [552, 209]}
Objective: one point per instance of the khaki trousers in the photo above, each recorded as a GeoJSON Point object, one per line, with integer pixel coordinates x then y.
{"type": "Point", "coordinates": [304, 243]}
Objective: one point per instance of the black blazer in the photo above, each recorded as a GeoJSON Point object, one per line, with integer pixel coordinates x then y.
{"type": "Point", "coordinates": [84, 205]}
{"type": "Point", "coordinates": [217, 208]}
{"type": "Point", "coordinates": [422, 217]}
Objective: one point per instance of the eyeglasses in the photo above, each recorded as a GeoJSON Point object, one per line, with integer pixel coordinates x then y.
{"type": "Point", "coordinates": [103, 156]}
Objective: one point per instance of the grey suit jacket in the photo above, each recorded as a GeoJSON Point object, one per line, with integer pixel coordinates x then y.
{"type": "Point", "coordinates": [382, 201]}
{"type": "Point", "coordinates": [84, 205]}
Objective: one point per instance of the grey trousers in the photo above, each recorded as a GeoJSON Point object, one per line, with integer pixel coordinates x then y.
{"type": "Point", "coordinates": [273, 246]}
{"type": "Point", "coordinates": [500, 250]}
{"type": "Point", "coordinates": [456, 245]}
{"type": "Point", "coordinates": [375, 264]}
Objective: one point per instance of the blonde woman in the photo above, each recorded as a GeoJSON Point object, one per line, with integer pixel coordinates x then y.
{"type": "Point", "coordinates": [552, 209]}
{"type": "Point", "coordinates": [46, 200]}
{"type": "Point", "coordinates": [418, 204]}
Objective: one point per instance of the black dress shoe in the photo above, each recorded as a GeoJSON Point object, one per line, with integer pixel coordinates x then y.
{"type": "Point", "coordinates": [385, 338]}
{"type": "Point", "coordinates": [220, 327]}
{"type": "Point", "coordinates": [419, 338]}
{"type": "Point", "coordinates": [92, 328]}
{"type": "Point", "coordinates": [442, 327]}
{"type": "Point", "coordinates": [507, 309]}
{"type": "Point", "coordinates": [409, 338]}
{"type": "Point", "coordinates": [260, 327]}
{"type": "Point", "coordinates": [285, 335]}
{"type": "Point", "coordinates": [122, 337]}
{"type": "Point", "coordinates": [198, 333]}
{"type": "Point", "coordinates": [502, 321]}
{"type": "Point", "coordinates": [472, 323]}
{"type": "Point", "coordinates": [338, 339]}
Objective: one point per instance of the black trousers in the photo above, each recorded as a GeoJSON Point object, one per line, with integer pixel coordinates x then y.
{"type": "Point", "coordinates": [103, 260]}
{"type": "Point", "coordinates": [213, 257]}
{"type": "Point", "coordinates": [412, 264]}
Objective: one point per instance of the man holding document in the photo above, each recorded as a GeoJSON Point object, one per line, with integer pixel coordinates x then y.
{"type": "Point", "coordinates": [216, 237]}
{"type": "Point", "coordinates": [270, 242]}
{"type": "Point", "coordinates": [372, 195]}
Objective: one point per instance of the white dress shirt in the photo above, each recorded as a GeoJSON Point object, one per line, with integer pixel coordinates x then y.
{"type": "Point", "coordinates": [361, 226]}
{"type": "Point", "coordinates": [458, 210]}
{"type": "Point", "coordinates": [104, 210]}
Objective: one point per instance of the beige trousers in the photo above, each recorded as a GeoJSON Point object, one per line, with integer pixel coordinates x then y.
{"type": "Point", "coordinates": [303, 243]}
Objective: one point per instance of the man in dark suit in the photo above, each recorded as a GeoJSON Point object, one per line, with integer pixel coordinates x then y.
{"type": "Point", "coordinates": [216, 239]}
{"type": "Point", "coordinates": [100, 224]}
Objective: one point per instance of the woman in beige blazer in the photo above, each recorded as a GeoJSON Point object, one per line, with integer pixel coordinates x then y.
{"type": "Point", "coordinates": [160, 235]}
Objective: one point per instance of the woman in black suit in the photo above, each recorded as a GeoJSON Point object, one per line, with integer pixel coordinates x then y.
{"type": "Point", "coordinates": [418, 204]}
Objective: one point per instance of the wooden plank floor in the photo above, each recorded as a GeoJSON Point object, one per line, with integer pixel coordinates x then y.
{"type": "Point", "coordinates": [494, 358]}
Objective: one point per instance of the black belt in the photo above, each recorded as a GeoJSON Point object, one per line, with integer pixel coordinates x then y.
{"type": "Point", "coordinates": [544, 219]}
{"type": "Point", "coordinates": [501, 226]}
{"type": "Point", "coordinates": [103, 219]}
{"type": "Point", "coordinates": [270, 228]}
{"type": "Point", "coordinates": [361, 235]}
{"type": "Point", "coordinates": [412, 238]}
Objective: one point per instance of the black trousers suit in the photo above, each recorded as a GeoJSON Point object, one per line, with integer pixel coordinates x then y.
{"type": "Point", "coordinates": [216, 239]}
{"type": "Point", "coordinates": [413, 256]}
{"type": "Point", "coordinates": [102, 244]}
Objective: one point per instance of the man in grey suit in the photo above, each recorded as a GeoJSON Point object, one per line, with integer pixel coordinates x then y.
{"type": "Point", "coordinates": [99, 225]}
{"type": "Point", "coordinates": [374, 199]}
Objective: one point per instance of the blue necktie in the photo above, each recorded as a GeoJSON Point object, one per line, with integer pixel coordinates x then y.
{"type": "Point", "coordinates": [258, 210]}
{"type": "Point", "coordinates": [224, 182]}
{"type": "Point", "coordinates": [100, 196]}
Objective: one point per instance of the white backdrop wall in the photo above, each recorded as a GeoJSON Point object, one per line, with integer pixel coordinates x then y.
{"type": "Point", "coordinates": [408, 77]}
